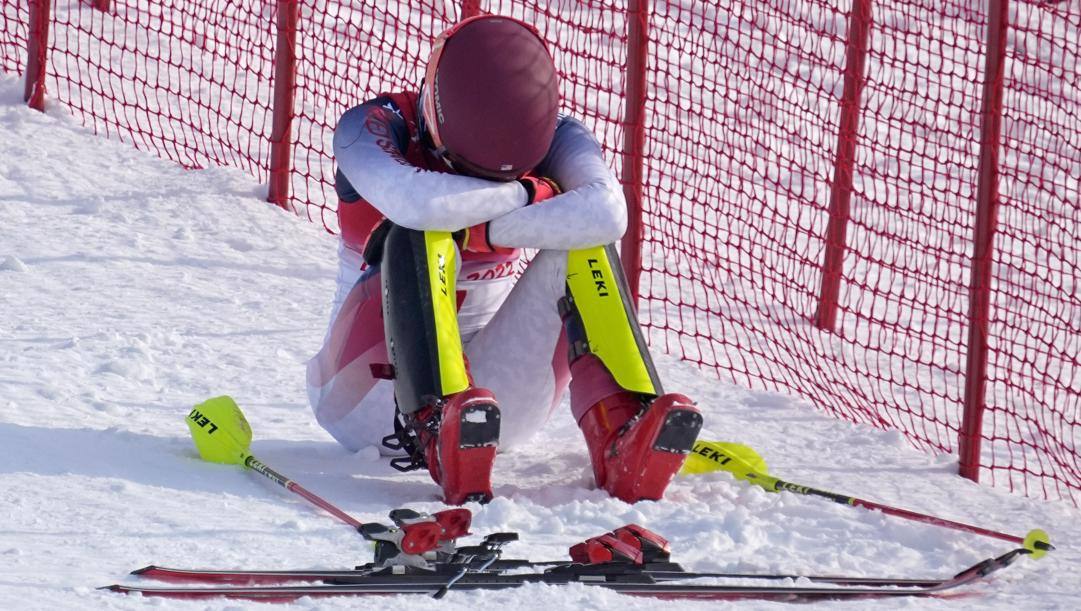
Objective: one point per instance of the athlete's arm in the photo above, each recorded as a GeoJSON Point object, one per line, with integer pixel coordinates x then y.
{"type": "Point", "coordinates": [591, 211]}
{"type": "Point", "coordinates": [369, 145]}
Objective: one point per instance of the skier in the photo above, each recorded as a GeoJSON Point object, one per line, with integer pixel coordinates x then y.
{"type": "Point", "coordinates": [439, 191]}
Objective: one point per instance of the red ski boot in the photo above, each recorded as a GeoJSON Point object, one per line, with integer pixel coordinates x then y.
{"type": "Point", "coordinates": [650, 450]}
{"type": "Point", "coordinates": [458, 439]}
{"type": "Point", "coordinates": [636, 445]}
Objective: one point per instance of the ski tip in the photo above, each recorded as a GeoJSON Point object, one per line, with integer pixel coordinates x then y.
{"type": "Point", "coordinates": [1038, 543]}
{"type": "Point", "coordinates": [113, 588]}
{"type": "Point", "coordinates": [146, 569]}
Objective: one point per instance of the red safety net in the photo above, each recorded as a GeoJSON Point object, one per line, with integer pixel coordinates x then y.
{"type": "Point", "coordinates": [742, 118]}
{"type": "Point", "coordinates": [14, 20]}
{"type": "Point", "coordinates": [743, 128]}
{"type": "Point", "coordinates": [189, 81]}
{"type": "Point", "coordinates": [1033, 393]}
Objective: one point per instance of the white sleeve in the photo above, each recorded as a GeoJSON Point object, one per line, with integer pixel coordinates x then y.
{"type": "Point", "coordinates": [591, 211]}
{"type": "Point", "coordinates": [367, 150]}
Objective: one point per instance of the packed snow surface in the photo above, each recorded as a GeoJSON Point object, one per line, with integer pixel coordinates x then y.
{"type": "Point", "coordinates": [131, 289]}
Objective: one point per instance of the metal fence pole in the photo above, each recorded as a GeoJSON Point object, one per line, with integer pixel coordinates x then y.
{"type": "Point", "coordinates": [983, 238]}
{"type": "Point", "coordinates": [859, 28]}
{"type": "Point", "coordinates": [634, 139]}
{"type": "Point", "coordinates": [281, 142]}
{"type": "Point", "coordinates": [470, 8]}
{"type": "Point", "coordinates": [37, 46]}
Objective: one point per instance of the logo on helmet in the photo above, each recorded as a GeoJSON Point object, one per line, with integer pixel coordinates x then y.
{"type": "Point", "coordinates": [435, 98]}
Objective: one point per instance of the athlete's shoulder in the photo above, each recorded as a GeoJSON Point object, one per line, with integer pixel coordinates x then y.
{"type": "Point", "coordinates": [398, 105]}
{"type": "Point", "coordinates": [386, 118]}
{"type": "Point", "coordinates": [571, 140]}
{"type": "Point", "coordinates": [402, 103]}
{"type": "Point", "coordinates": [570, 129]}
{"type": "Point", "coordinates": [568, 120]}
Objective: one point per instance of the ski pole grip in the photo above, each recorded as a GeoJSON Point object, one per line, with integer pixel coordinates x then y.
{"type": "Point", "coordinates": [259, 467]}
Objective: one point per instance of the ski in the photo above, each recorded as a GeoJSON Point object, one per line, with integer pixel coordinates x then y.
{"type": "Point", "coordinates": [271, 577]}
{"type": "Point", "coordinates": [629, 550]}
{"type": "Point", "coordinates": [632, 583]}
{"type": "Point", "coordinates": [630, 560]}
{"type": "Point", "coordinates": [174, 575]}
{"type": "Point", "coordinates": [666, 571]}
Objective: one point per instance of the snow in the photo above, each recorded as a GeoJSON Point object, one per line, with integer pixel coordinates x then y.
{"type": "Point", "coordinates": [131, 289]}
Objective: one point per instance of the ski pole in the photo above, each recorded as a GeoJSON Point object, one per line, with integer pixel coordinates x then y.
{"type": "Point", "coordinates": [1036, 541]}
{"type": "Point", "coordinates": [222, 434]}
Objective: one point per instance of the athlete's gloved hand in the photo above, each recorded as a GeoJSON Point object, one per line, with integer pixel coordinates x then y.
{"type": "Point", "coordinates": [475, 239]}
{"type": "Point", "coordinates": [539, 188]}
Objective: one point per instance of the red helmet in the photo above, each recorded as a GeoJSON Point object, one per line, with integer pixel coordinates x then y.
{"type": "Point", "coordinates": [490, 97]}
